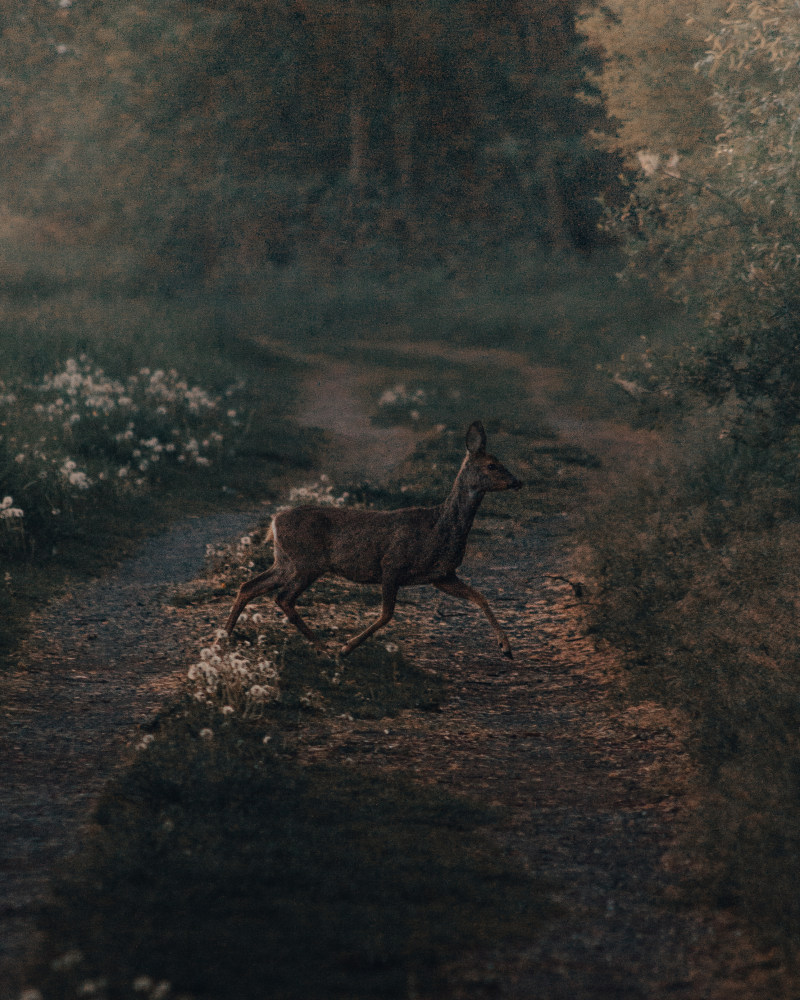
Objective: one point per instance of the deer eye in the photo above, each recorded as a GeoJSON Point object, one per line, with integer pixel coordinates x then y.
{"type": "Point", "coordinates": [491, 467]}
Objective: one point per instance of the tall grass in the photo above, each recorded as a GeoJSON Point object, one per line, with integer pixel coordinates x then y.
{"type": "Point", "coordinates": [699, 588]}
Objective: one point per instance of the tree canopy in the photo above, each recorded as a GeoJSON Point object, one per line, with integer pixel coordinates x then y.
{"type": "Point", "coordinates": [198, 128]}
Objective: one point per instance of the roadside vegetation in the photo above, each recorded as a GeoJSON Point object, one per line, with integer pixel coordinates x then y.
{"type": "Point", "coordinates": [109, 429]}
{"type": "Point", "coordinates": [697, 561]}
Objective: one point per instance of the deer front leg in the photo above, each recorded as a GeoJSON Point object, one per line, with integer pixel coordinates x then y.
{"type": "Point", "coordinates": [458, 588]}
{"type": "Point", "coordinates": [389, 589]}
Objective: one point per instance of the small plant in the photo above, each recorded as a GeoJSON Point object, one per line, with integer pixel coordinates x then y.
{"type": "Point", "coordinates": [238, 680]}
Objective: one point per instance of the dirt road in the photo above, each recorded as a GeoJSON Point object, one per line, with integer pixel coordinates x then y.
{"type": "Point", "coordinates": [99, 662]}
{"type": "Point", "coordinates": [593, 790]}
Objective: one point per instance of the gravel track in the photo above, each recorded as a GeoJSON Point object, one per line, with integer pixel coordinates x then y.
{"type": "Point", "coordinates": [99, 662]}
{"type": "Point", "coordinates": [593, 792]}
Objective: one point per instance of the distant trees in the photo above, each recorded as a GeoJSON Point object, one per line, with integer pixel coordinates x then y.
{"type": "Point", "coordinates": [355, 119]}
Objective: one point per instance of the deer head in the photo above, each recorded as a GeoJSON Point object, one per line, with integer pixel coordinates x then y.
{"type": "Point", "coordinates": [485, 473]}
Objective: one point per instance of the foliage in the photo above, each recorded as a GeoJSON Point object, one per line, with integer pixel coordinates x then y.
{"type": "Point", "coordinates": [80, 432]}
{"type": "Point", "coordinates": [206, 137]}
{"type": "Point", "coordinates": [699, 589]}
{"type": "Point", "coordinates": [696, 565]}
{"type": "Point", "coordinates": [718, 229]}
{"type": "Point", "coordinates": [657, 102]}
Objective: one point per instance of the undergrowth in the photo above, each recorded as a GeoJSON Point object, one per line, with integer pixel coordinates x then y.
{"type": "Point", "coordinates": [699, 585]}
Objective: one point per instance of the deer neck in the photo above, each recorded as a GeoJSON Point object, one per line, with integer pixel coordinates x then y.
{"type": "Point", "coordinates": [459, 509]}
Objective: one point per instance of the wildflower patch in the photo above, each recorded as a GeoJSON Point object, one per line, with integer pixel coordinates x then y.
{"type": "Point", "coordinates": [82, 433]}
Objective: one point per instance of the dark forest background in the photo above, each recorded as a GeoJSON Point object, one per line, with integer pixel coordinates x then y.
{"type": "Point", "coordinates": [209, 138]}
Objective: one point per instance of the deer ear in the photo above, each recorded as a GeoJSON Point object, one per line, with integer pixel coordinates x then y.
{"type": "Point", "coordinates": [476, 439]}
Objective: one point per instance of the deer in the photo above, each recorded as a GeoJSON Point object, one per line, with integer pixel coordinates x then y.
{"type": "Point", "coordinates": [394, 548]}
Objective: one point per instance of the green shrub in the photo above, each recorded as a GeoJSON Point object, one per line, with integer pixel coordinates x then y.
{"type": "Point", "coordinates": [699, 577]}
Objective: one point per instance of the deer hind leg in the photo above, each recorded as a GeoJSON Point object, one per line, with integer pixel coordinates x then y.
{"type": "Point", "coordinates": [389, 596]}
{"type": "Point", "coordinates": [286, 601]}
{"type": "Point", "coordinates": [458, 588]}
{"type": "Point", "coordinates": [260, 584]}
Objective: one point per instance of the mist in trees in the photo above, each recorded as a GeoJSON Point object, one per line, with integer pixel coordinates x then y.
{"type": "Point", "coordinates": [247, 129]}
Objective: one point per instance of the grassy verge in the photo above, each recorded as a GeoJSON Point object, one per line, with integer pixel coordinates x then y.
{"type": "Point", "coordinates": [699, 589]}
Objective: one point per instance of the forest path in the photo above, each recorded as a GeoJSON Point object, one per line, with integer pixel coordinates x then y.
{"type": "Point", "coordinates": [592, 792]}
{"type": "Point", "coordinates": [100, 660]}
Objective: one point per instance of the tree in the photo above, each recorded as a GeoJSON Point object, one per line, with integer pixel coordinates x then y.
{"type": "Point", "coordinates": [720, 229]}
{"type": "Point", "coordinates": [206, 128]}
{"type": "Point", "coordinates": [652, 91]}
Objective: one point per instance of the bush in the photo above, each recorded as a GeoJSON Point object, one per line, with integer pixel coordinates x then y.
{"type": "Point", "coordinates": [698, 587]}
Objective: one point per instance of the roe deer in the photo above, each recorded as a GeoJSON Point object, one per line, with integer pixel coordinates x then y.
{"type": "Point", "coordinates": [396, 548]}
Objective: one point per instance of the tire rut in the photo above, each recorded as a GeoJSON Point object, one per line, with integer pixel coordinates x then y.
{"type": "Point", "coordinates": [99, 661]}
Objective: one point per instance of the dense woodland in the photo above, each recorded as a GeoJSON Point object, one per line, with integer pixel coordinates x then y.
{"type": "Point", "coordinates": [236, 132]}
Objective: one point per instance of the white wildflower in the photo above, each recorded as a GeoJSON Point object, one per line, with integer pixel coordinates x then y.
{"type": "Point", "coordinates": [67, 961]}
{"type": "Point", "coordinates": [8, 511]}
{"type": "Point", "coordinates": [79, 479]}
{"type": "Point", "coordinates": [649, 162]}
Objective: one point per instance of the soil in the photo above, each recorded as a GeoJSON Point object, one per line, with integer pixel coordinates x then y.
{"type": "Point", "coordinates": [593, 790]}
